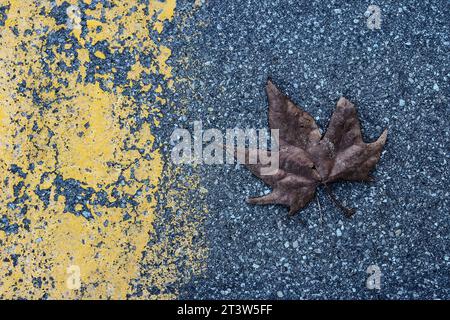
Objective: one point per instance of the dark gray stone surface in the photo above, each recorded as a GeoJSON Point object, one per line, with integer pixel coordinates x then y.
{"type": "Point", "coordinates": [316, 51]}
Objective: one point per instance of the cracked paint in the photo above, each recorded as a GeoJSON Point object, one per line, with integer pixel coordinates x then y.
{"type": "Point", "coordinates": [81, 171]}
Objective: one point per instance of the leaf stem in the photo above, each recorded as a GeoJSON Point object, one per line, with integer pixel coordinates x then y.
{"type": "Point", "coordinates": [347, 211]}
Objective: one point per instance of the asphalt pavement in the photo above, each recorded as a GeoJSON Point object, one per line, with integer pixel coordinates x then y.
{"type": "Point", "coordinates": [316, 52]}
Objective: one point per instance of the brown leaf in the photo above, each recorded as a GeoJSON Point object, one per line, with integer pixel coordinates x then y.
{"type": "Point", "coordinates": [307, 159]}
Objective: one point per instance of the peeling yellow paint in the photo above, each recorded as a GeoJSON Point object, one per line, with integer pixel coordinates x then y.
{"type": "Point", "coordinates": [80, 131]}
{"type": "Point", "coordinates": [100, 55]}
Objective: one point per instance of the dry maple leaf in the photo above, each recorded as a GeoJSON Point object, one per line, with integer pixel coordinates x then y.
{"type": "Point", "coordinates": [307, 159]}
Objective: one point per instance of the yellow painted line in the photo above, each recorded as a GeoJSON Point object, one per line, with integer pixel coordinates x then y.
{"type": "Point", "coordinates": [75, 132]}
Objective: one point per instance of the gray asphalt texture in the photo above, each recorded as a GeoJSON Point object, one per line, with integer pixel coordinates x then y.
{"type": "Point", "coordinates": [317, 51]}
